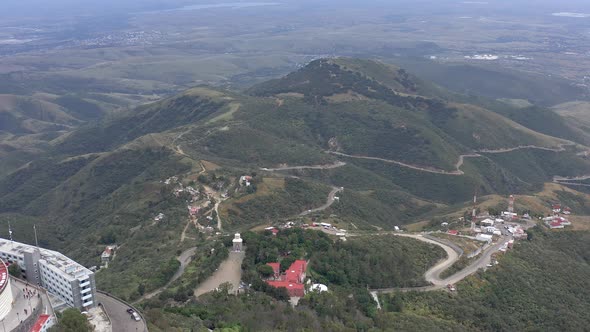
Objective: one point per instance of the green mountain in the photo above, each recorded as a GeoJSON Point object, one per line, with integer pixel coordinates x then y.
{"type": "Point", "coordinates": [401, 147]}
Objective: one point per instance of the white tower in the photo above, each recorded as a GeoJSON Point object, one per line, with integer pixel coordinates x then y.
{"type": "Point", "coordinates": [511, 204]}
{"type": "Point", "coordinates": [237, 241]}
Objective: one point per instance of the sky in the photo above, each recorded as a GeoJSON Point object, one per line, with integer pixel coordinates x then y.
{"type": "Point", "coordinates": [52, 8]}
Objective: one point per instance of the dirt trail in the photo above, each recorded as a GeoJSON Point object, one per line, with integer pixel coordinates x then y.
{"type": "Point", "coordinates": [183, 234]}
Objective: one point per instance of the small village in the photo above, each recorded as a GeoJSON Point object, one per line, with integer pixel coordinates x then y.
{"type": "Point", "coordinates": [495, 234]}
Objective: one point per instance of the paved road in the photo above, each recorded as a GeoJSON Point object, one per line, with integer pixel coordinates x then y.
{"type": "Point", "coordinates": [288, 168]}
{"type": "Point", "coordinates": [329, 202]}
{"type": "Point", "coordinates": [185, 258]}
{"type": "Point", "coordinates": [482, 262]}
{"type": "Point", "coordinates": [433, 274]}
{"type": "Point", "coordinates": [117, 311]}
{"type": "Point", "coordinates": [566, 180]}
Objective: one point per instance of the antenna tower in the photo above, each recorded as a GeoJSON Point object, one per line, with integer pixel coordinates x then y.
{"type": "Point", "coordinates": [473, 213]}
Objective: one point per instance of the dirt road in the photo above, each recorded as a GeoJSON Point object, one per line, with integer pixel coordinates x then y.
{"type": "Point", "coordinates": [230, 271]}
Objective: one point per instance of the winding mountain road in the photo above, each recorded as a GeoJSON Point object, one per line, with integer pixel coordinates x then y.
{"type": "Point", "coordinates": [329, 201]}
{"type": "Point", "coordinates": [460, 161]}
{"type": "Point", "coordinates": [433, 274]}
{"type": "Point", "coordinates": [289, 168]}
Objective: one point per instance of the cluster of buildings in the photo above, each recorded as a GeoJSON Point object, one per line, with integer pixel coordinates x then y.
{"type": "Point", "coordinates": [557, 209]}
{"type": "Point", "coordinates": [556, 222]}
{"type": "Point", "coordinates": [293, 278]}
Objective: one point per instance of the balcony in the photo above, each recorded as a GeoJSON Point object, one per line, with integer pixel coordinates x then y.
{"type": "Point", "coordinates": [85, 283]}
{"type": "Point", "coordinates": [85, 290]}
{"type": "Point", "coordinates": [87, 304]}
{"type": "Point", "coordinates": [89, 296]}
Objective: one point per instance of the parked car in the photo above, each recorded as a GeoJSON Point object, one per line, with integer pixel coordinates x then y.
{"type": "Point", "coordinates": [130, 311]}
{"type": "Point", "coordinates": [135, 316]}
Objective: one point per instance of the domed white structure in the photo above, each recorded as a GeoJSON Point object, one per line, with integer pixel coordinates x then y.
{"type": "Point", "coordinates": [319, 288]}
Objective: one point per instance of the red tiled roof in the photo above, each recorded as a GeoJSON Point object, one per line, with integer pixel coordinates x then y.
{"type": "Point", "coordinates": [39, 323]}
{"type": "Point", "coordinates": [556, 223]}
{"type": "Point", "coordinates": [295, 270]}
{"type": "Point", "coordinates": [293, 277]}
{"type": "Point", "coordinates": [453, 232]}
{"type": "Point", "coordinates": [294, 289]}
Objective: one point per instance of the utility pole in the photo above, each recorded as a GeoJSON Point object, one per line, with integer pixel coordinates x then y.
{"type": "Point", "coordinates": [36, 241]}
{"type": "Point", "coordinates": [10, 233]}
{"type": "Point", "coordinates": [473, 213]}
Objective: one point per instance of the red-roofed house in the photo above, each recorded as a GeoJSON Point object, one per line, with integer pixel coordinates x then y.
{"type": "Point", "coordinates": [293, 278]}
{"type": "Point", "coordinates": [43, 323]}
{"type": "Point", "coordinates": [453, 231]}
{"type": "Point", "coordinates": [555, 224]}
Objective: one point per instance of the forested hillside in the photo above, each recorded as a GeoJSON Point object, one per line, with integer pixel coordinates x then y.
{"type": "Point", "coordinates": [399, 148]}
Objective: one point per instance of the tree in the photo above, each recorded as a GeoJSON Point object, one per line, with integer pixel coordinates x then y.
{"type": "Point", "coordinates": [265, 270]}
{"type": "Point", "coordinates": [286, 262]}
{"type": "Point", "coordinates": [141, 289]}
{"type": "Point", "coordinates": [15, 271]}
{"type": "Point", "coordinates": [529, 235]}
{"type": "Point", "coordinates": [72, 320]}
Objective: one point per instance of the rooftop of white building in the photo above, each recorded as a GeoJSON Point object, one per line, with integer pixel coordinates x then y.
{"type": "Point", "coordinates": [53, 258]}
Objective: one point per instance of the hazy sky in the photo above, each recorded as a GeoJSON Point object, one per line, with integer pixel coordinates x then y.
{"type": "Point", "coordinates": [52, 8]}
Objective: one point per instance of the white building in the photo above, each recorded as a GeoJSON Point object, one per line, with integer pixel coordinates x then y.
{"type": "Point", "coordinates": [484, 238]}
{"type": "Point", "coordinates": [61, 276]}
